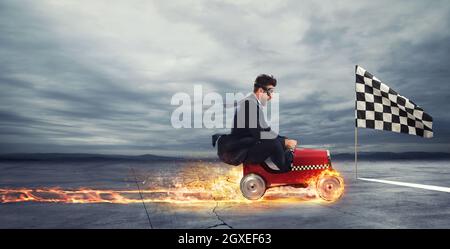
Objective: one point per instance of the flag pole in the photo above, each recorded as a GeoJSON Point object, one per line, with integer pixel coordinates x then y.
{"type": "Point", "coordinates": [356, 131]}
{"type": "Point", "coordinates": [356, 152]}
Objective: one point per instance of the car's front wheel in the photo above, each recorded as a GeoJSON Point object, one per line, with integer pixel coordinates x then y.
{"type": "Point", "coordinates": [330, 188]}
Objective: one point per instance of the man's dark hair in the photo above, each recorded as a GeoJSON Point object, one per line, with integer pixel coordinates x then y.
{"type": "Point", "coordinates": [263, 81]}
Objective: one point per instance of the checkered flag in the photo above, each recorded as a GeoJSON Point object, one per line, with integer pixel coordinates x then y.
{"type": "Point", "coordinates": [381, 108]}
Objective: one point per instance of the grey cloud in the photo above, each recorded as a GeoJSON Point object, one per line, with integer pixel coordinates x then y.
{"type": "Point", "coordinates": [81, 78]}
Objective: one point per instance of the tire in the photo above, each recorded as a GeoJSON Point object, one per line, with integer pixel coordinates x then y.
{"type": "Point", "coordinates": [253, 186]}
{"type": "Point", "coordinates": [330, 188]}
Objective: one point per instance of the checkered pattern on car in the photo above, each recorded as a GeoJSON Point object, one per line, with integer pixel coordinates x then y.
{"type": "Point", "coordinates": [310, 167]}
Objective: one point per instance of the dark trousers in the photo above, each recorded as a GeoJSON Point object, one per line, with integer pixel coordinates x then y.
{"type": "Point", "coordinates": [273, 148]}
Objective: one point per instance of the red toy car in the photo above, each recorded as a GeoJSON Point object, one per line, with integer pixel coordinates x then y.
{"type": "Point", "coordinates": [310, 166]}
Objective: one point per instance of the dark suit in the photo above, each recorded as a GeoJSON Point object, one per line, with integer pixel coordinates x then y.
{"type": "Point", "coordinates": [252, 140]}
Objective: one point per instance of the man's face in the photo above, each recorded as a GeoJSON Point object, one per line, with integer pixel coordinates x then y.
{"type": "Point", "coordinates": [266, 94]}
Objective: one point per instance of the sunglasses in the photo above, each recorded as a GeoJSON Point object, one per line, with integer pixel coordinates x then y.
{"type": "Point", "coordinates": [269, 91]}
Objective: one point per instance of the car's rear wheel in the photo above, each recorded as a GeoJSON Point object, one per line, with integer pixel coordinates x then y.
{"type": "Point", "coordinates": [253, 186]}
{"type": "Point", "coordinates": [330, 188]}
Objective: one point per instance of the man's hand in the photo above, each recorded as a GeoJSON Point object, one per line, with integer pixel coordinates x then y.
{"type": "Point", "coordinates": [290, 143]}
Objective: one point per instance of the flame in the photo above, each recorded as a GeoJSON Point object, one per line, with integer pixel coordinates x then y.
{"type": "Point", "coordinates": [195, 184]}
{"type": "Point", "coordinates": [328, 172]}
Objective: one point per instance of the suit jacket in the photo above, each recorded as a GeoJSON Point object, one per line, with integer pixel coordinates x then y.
{"type": "Point", "coordinates": [249, 127]}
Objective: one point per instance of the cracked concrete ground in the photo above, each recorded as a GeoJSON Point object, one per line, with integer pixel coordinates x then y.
{"type": "Point", "coordinates": [364, 204]}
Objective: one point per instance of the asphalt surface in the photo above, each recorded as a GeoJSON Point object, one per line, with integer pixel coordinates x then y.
{"type": "Point", "coordinates": [363, 205]}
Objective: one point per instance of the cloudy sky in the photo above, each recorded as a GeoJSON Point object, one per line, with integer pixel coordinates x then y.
{"type": "Point", "coordinates": [98, 76]}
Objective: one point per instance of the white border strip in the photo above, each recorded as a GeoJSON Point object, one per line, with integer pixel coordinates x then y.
{"type": "Point", "coordinates": [406, 184]}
